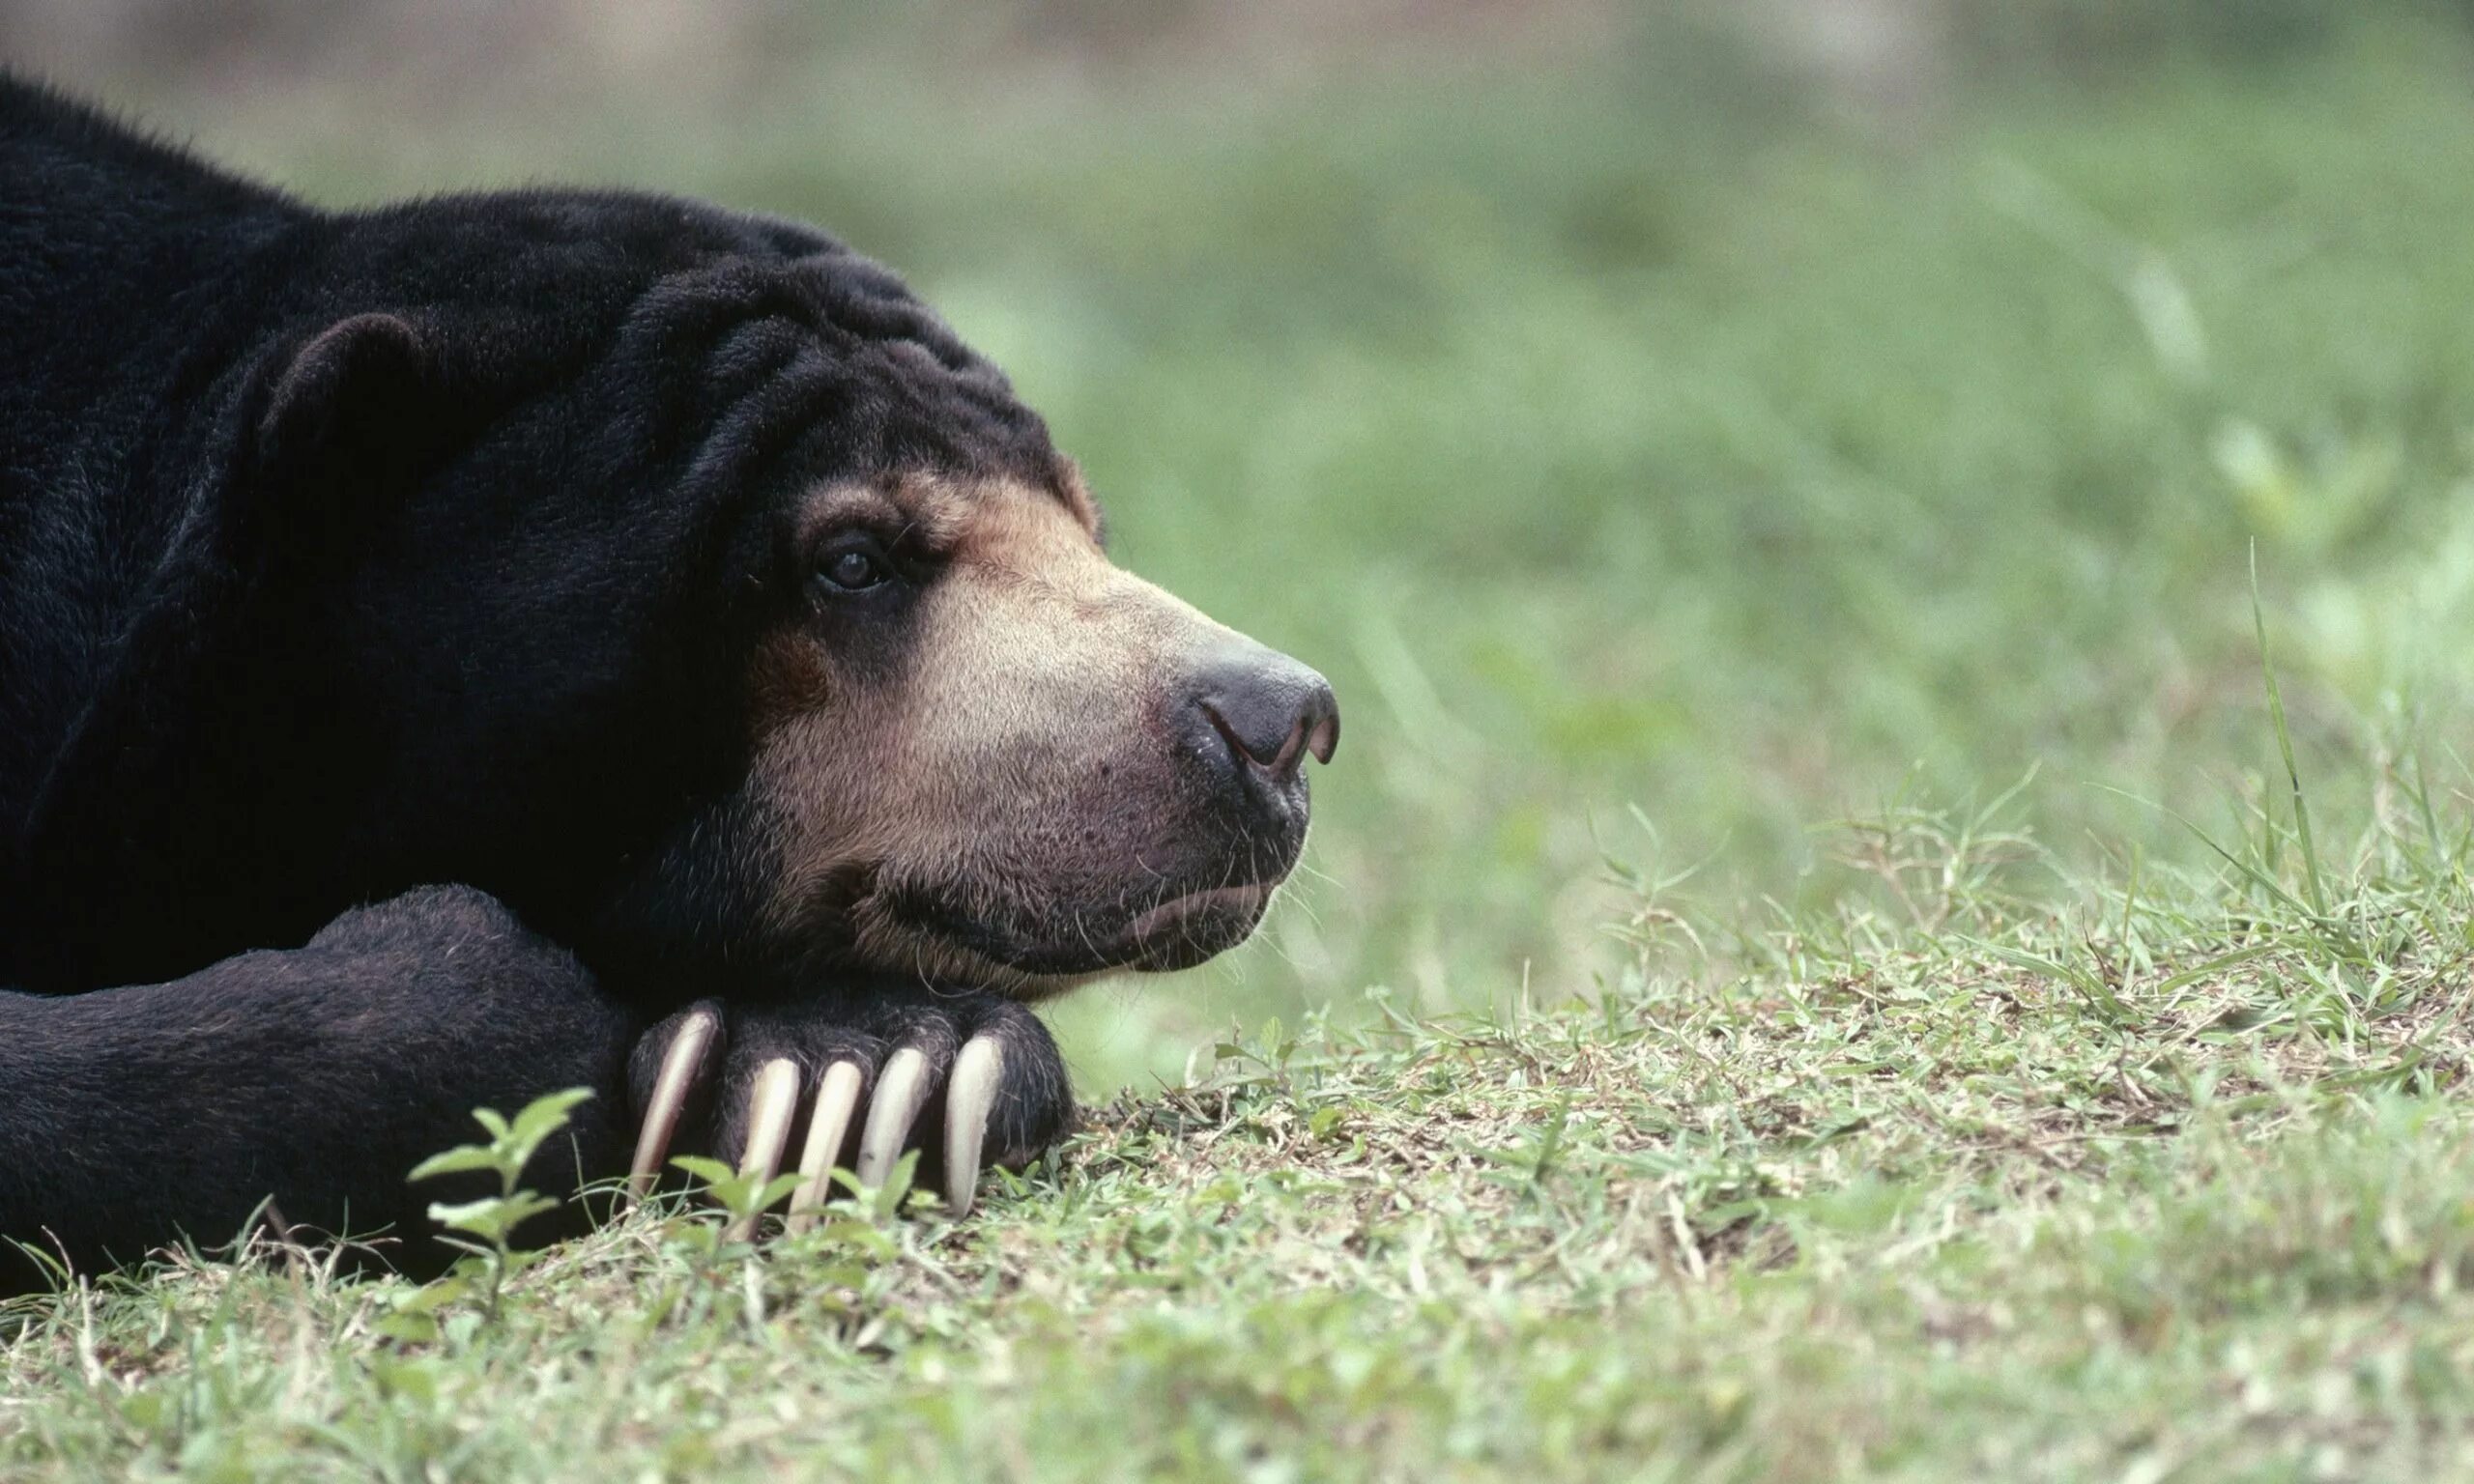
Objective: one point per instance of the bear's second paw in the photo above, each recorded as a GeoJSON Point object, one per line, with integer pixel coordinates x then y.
{"type": "Point", "coordinates": [970, 1078]}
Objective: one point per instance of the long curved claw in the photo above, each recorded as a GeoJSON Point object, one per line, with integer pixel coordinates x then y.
{"type": "Point", "coordinates": [837, 1097]}
{"type": "Point", "coordinates": [671, 1087]}
{"type": "Point", "coordinates": [968, 1099]}
{"type": "Point", "coordinates": [902, 1091]}
{"type": "Point", "coordinates": [770, 1107]}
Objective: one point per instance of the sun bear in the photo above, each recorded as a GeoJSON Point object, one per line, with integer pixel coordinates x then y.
{"type": "Point", "coordinates": [498, 642]}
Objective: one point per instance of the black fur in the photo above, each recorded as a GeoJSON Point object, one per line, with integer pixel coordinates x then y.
{"type": "Point", "coordinates": [130, 1116]}
{"type": "Point", "coordinates": [341, 553]}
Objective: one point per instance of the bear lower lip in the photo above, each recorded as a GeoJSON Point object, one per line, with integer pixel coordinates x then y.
{"type": "Point", "coordinates": [1178, 933]}
{"type": "Point", "coordinates": [1177, 911]}
{"type": "Point", "coordinates": [1185, 930]}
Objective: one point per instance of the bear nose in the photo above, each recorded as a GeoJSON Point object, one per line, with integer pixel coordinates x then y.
{"type": "Point", "coordinates": [1271, 709]}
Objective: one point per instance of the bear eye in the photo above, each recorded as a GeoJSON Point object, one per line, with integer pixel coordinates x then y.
{"type": "Point", "coordinates": [855, 568]}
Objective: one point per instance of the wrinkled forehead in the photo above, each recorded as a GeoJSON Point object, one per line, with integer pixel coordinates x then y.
{"type": "Point", "coordinates": [989, 518]}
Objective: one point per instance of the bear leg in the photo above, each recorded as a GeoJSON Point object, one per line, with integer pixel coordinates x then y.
{"type": "Point", "coordinates": [316, 1078]}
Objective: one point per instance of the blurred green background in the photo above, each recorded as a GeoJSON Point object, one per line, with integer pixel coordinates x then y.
{"type": "Point", "coordinates": [1748, 413]}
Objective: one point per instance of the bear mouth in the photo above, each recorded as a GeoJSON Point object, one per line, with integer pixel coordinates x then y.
{"type": "Point", "coordinates": [1179, 933]}
{"type": "Point", "coordinates": [1198, 923]}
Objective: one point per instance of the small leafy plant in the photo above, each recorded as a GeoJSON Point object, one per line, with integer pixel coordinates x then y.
{"type": "Point", "coordinates": [487, 1225]}
{"type": "Point", "coordinates": [744, 1199]}
{"type": "Point", "coordinates": [743, 1196]}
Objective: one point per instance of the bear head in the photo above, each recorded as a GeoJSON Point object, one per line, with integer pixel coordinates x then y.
{"type": "Point", "coordinates": [682, 579]}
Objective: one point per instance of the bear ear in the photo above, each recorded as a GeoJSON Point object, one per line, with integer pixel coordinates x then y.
{"type": "Point", "coordinates": [368, 406]}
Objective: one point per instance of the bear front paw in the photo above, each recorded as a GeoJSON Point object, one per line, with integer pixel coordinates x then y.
{"type": "Point", "coordinates": [970, 1079]}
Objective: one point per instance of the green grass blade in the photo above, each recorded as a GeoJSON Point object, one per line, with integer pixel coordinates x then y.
{"type": "Point", "coordinates": [2284, 747]}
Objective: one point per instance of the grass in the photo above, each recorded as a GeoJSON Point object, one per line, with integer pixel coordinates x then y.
{"type": "Point", "coordinates": [1615, 434]}
{"type": "Point", "coordinates": [2159, 1183]}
